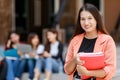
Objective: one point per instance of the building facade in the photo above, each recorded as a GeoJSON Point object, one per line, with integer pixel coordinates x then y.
{"type": "Point", "coordinates": [26, 16]}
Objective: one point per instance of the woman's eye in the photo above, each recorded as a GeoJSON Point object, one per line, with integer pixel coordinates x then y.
{"type": "Point", "coordinates": [89, 18]}
{"type": "Point", "coordinates": [82, 19]}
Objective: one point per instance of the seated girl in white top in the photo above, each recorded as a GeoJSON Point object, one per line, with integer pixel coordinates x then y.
{"type": "Point", "coordinates": [51, 56]}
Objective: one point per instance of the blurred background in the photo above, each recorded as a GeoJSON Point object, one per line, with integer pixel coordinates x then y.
{"type": "Point", "coordinates": [25, 16]}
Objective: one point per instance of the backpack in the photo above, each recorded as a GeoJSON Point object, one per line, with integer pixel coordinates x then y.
{"type": "Point", "coordinates": [3, 69]}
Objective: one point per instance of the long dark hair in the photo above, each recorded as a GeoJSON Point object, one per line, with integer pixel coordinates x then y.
{"type": "Point", "coordinates": [47, 45]}
{"type": "Point", "coordinates": [30, 37]}
{"type": "Point", "coordinates": [94, 11]}
{"type": "Point", "coordinates": [8, 38]}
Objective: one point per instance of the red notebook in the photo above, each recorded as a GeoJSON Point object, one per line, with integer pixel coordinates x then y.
{"type": "Point", "coordinates": [93, 61]}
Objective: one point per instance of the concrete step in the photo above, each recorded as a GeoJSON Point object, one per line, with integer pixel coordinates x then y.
{"type": "Point", "coordinates": [55, 76]}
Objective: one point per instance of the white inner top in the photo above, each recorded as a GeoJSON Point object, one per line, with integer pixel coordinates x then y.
{"type": "Point", "coordinates": [54, 48]}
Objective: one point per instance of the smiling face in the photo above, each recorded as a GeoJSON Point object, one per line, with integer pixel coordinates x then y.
{"type": "Point", "coordinates": [87, 21]}
{"type": "Point", "coordinates": [51, 36]}
{"type": "Point", "coordinates": [14, 37]}
{"type": "Point", "coordinates": [35, 40]}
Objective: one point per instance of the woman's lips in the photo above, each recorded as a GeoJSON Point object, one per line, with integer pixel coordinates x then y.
{"type": "Point", "coordinates": [86, 27]}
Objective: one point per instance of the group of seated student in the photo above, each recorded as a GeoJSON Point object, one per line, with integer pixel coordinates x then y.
{"type": "Point", "coordinates": [43, 58]}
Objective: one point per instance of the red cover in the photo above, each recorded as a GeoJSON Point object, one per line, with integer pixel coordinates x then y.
{"type": "Point", "coordinates": [93, 61]}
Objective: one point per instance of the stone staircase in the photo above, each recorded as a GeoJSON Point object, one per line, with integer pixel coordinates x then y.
{"type": "Point", "coordinates": [55, 76]}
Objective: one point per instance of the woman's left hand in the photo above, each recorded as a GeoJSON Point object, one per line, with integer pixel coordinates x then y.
{"type": "Point", "coordinates": [46, 54]}
{"type": "Point", "coordinates": [20, 52]}
{"type": "Point", "coordinates": [82, 70]}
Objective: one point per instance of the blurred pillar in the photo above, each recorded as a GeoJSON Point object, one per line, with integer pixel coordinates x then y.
{"type": "Point", "coordinates": [78, 4]}
{"type": "Point", "coordinates": [111, 13]}
{"type": "Point", "coordinates": [57, 6]}
{"type": "Point", "coordinates": [59, 10]}
{"type": "Point", "coordinates": [56, 9]}
{"type": "Point", "coordinates": [5, 19]}
{"type": "Point", "coordinates": [37, 12]}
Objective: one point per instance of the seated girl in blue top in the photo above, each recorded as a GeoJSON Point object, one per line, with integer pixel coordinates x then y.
{"type": "Point", "coordinates": [10, 48]}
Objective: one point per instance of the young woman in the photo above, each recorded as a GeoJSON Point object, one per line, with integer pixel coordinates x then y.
{"type": "Point", "coordinates": [29, 59]}
{"type": "Point", "coordinates": [90, 36]}
{"type": "Point", "coordinates": [13, 39]}
{"type": "Point", "coordinates": [52, 54]}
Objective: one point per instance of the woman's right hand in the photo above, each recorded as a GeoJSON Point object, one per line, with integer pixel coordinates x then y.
{"type": "Point", "coordinates": [8, 43]}
{"type": "Point", "coordinates": [46, 54]}
{"type": "Point", "coordinates": [77, 60]}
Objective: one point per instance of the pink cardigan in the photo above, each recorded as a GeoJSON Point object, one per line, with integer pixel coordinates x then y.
{"type": "Point", "coordinates": [103, 43]}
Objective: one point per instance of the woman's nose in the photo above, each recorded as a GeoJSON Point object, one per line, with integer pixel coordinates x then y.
{"type": "Point", "coordinates": [86, 22]}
